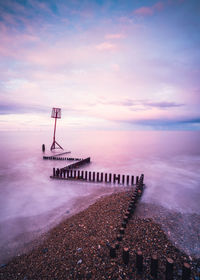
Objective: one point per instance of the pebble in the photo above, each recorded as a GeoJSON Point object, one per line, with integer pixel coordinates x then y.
{"type": "Point", "coordinates": [79, 261]}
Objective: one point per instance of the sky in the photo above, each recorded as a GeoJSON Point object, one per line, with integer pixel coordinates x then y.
{"type": "Point", "coordinates": [108, 64]}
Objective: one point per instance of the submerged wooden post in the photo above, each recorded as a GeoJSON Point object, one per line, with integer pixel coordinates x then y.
{"type": "Point", "coordinates": [43, 147]}
{"type": "Point", "coordinates": [110, 178]}
{"type": "Point", "coordinates": [106, 177]}
{"type": "Point", "coordinates": [90, 177]}
{"type": "Point", "coordinates": [97, 176]}
{"type": "Point", "coordinates": [54, 172]}
{"type": "Point", "coordinates": [93, 176]}
{"type": "Point", "coordinates": [127, 179]}
{"type": "Point", "coordinates": [132, 180]}
{"type": "Point", "coordinates": [86, 173]}
{"type": "Point", "coordinates": [123, 179]}
{"type": "Point", "coordinates": [101, 176]}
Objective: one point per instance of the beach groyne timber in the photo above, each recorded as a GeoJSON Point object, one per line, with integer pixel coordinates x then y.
{"type": "Point", "coordinates": [94, 176]}
{"type": "Point", "coordinates": [73, 247]}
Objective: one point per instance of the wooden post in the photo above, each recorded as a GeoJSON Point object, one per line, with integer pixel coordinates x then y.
{"type": "Point", "coordinates": [186, 271]}
{"type": "Point", "coordinates": [132, 180]}
{"type": "Point", "coordinates": [78, 174]}
{"type": "Point", "coordinates": [106, 177]}
{"type": "Point", "coordinates": [64, 172]}
{"type": "Point", "coordinates": [123, 179]}
{"type": "Point", "coordinates": [43, 148]}
{"type": "Point", "coordinates": [90, 177]}
{"type": "Point", "coordinates": [125, 255]}
{"type": "Point", "coordinates": [67, 173]}
{"type": "Point", "coordinates": [139, 261]}
{"type": "Point", "coordinates": [113, 252]}
{"type": "Point", "coordinates": [137, 178]}
{"type": "Point", "coordinates": [114, 178]}
{"type": "Point", "coordinates": [154, 266]}
{"type": "Point", "coordinates": [82, 174]}
{"type": "Point", "coordinates": [54, 172]}
{"type": "Point", "coordinates": [110, 178]}
{"type": "Point", "coordinates": [97, 176]}
{"type": "Point", "coordinates": [169, 269]}
{"type": "Point", "coordinates": [127, 180]}
{"type": "Point", "coordinates": [93, 176]}
{"type": "Point", "coordinates": [74, 173]}
{"type": "Point", "coordinates": [101, 176]}
{"type": "Point", "coordinates": [86, 173]}
{"type": "Point", "coordinates": [118, 178]}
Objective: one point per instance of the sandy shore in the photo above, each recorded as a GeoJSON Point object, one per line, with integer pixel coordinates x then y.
{"type": "Point", "coordinates": [79, 247]}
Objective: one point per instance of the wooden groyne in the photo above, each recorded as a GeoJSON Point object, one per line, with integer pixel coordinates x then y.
{"type": "Point", "coordinates": [77, 164]}
{"type": "Point", "coordinates": [93, 176]}
{"type": "Point", "coordinates": [140, 263]}
{"type": "Point", "coordinates": [61, 158]}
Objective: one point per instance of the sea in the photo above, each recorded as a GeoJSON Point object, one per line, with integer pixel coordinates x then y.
{"type": "Point", "coordinates": [31, 203]}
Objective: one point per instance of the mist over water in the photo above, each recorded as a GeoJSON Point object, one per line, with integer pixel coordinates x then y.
{"type": "Point", "coordinates": [31, 202]}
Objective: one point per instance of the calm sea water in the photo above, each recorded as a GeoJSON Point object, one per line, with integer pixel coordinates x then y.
{"type": "Point", "coordinates": [31, 203]}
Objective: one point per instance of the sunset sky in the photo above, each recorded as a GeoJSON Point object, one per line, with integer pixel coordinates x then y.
{"type": "Point", "coordinates": [109, 64]}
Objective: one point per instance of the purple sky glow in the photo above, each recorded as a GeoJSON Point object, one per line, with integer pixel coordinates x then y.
{"type": "Point", "coordinates": [109, 64]}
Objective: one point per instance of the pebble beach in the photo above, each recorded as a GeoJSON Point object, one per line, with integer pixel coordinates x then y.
{"type": "Point", "coordinates": [79, 247]}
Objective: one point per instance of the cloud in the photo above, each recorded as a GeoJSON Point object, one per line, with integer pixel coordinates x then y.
{"type": "Point", "coordinates": [162, 104]}
{"type": "Point", "coordinates": [149, 11]}
{"type": "Point", "coordinates": [143, 103]}
{"type": "Point", "coordinates": [114, 36]}
{"type": "Point", "coordinates": [105, 46]}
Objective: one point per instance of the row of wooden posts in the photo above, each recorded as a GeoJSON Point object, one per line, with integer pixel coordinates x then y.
{"type": "Point", "coordinates": [61, 158]}
{"type": "Point", "coordinates": [186, 269]}
{"type": "Point", "coordinates": [93, 176]}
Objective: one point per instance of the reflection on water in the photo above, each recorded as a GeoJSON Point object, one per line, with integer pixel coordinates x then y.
{"type": "Point", "coordinates": [169, 160]}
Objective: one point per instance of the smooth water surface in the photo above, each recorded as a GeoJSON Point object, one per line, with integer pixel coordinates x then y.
{"type": "Point", "coordinates": [32, 202]}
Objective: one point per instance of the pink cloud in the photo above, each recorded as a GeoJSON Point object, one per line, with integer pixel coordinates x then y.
{"type": "Point", "coordinates": [105, 46]}
{"type": "Point", "coordinates": [149, 11]}
{"type": "Point", "coordinates": [114, 36]}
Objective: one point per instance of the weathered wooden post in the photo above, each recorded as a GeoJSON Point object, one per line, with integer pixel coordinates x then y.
{"type": "Point", "coordinates": [125, 255]}
{"type": "Point", "coordinates": [54, 172]}
{"type": "Point", "coordinates": [113, 252]}
{"type": "Point", "coordinates": [123, 179]}
{"type": "Point", "coordinates": [90, 177]}
{"type": "Point", "coordinates": [139, 261]}
{"type": "Point", "coordinates": [154, 266]}
{"type": "Point", "coordinates": [43, 148]}
{"type": "Point", "coordinates": [169, 269]}
{"type": "Point", "coordinates": [110, 178]}
{"type": "Point", "coordinates": [186, 271]}
{"type": "Point", "coordinates": [127, 180]}
{"type": "Point", "coordinates": [101, 176]}
{"type": "Point", "coordinates": [86, 175]}
{"type": "Point", "coordinates": [132, 180]}
{"type": "Point", "coordinates": [82, 174]}
{"type": "Point", "coordinates": [114, 178]}
{"type": "Point", "coordinates": [97, 176]}
{"type": "Point", "coordinates": [93, 176]}
{"type": "Point", "coordinates": [106, 177]}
